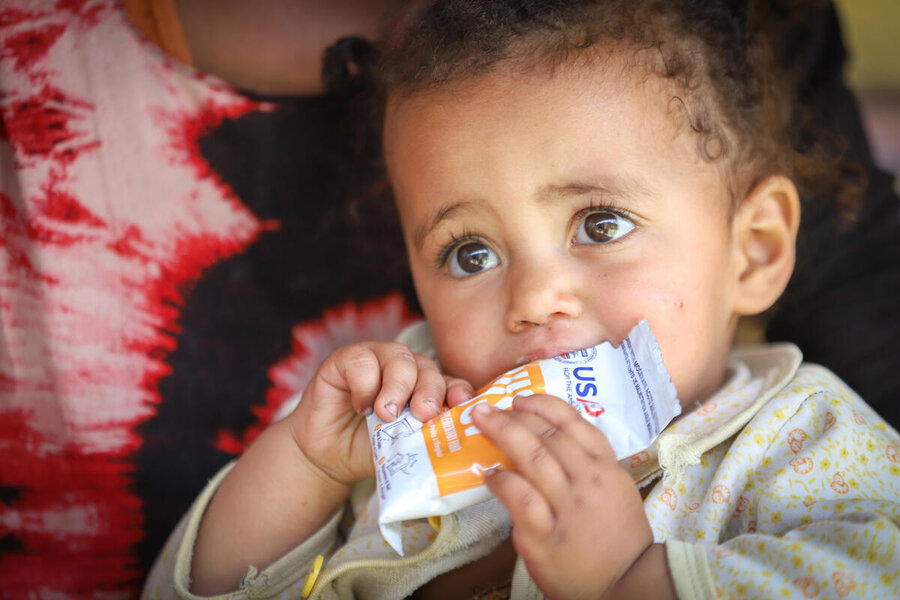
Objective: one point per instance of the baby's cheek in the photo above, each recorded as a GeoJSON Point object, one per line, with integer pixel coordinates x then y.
{"type": "Point", "coordinates": [462, 360]}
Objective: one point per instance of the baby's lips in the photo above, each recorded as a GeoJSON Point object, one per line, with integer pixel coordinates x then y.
{"type": "Point", "coordinates": [552, 351]}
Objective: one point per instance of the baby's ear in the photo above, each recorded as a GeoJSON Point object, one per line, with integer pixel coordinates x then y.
{"type": "Point", "coordinates": [765, 235]}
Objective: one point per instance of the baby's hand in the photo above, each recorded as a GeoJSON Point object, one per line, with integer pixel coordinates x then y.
{"type": "Point", "coordinates": [329, 423]}
{"type": "Point", "coordinates": [578, 519]}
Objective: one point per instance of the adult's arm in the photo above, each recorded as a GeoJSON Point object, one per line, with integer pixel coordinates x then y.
{"type": "Point", "coordinates": [275, 47]}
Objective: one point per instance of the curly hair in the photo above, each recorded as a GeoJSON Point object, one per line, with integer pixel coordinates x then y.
{"type": "Point", "coordinates": [717, 53]}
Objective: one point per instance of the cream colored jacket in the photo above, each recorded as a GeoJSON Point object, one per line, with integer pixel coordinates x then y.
{"type": "Point", "coordinates": [783, 484]}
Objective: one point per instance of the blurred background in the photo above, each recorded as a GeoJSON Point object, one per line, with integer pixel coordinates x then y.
{"type": "Point", "coordinates": [871, 31]}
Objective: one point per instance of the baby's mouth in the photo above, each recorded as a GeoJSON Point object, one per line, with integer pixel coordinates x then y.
{"type": "Point", "coordinates": [547, 352]}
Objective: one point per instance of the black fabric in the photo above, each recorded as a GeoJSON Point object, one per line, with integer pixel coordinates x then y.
{"type": "Point", "coordinates": [841, 306]}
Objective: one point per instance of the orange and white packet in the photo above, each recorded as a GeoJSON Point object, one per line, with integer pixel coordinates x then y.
{"type": "Point", "coordinates": [437, 467]}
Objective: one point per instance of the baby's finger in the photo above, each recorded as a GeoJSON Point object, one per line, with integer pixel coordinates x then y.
{"type": "Point", "coordinates": [559, 414]}
{"type": "Point", "coordinates": [543, 454]}
{"type": "Point", "coordinates": [399, 373]}
{"type": "Point", "coordinates": [360, 369]}
{"type": "Point", "coordinates": [458, 391]}
{"type": "Point", "coordinates": [428, 394]}
{"type": "Point", "coordinates": [529, 511]}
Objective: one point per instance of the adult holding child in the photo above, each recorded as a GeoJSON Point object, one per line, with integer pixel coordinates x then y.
{"type": "Point", "coordinates": [562, 171]}
{"type": "Point", "coordinates": [165, 228]}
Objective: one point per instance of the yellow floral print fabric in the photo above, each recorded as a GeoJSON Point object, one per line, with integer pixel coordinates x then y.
{"type": "Point", "coordinates": [803, 502]}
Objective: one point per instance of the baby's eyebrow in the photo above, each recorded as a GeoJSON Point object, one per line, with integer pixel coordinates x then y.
{"type": "Point", "coordinates": [444, 212]}
{"type": "Point", "coordinates": [632, 190]}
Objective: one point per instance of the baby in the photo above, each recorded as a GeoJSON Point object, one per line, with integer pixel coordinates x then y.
{"type": "Point", "coordinates": [563, 170]}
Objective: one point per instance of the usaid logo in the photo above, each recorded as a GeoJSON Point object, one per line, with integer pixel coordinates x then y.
{"type": "Point", "coordinates": [579, 357]}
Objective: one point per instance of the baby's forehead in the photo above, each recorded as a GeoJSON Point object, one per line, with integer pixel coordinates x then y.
{"type": "Point", "coordinates": [590, 71]}
{"type": "Point", "coordinates": [606, 78]}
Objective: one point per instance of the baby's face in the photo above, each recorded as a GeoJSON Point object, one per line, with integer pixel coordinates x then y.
{"type": "Point", "coordinates": [546, 214]}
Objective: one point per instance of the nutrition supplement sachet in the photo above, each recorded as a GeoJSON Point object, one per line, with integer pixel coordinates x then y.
{"type": "Point", "coordinates": [437, 467]}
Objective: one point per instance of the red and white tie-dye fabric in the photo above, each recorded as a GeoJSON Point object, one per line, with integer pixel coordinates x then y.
{"type": "Point", "coordinates": [106, 212]}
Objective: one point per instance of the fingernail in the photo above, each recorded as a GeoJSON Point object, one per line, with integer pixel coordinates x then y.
{"type": "Point", "coordinates": [392, 409]}
{"type": "Point", "coordinates": [490, 472]}
{"type": "Point", "coordinates": [431, 403]}
{"type": "Point", "coordinates": [482, 408]}
{"type": "Point", "coordinates": [464, 389]}
{"type": "Point", "coordinates": [366, 411]}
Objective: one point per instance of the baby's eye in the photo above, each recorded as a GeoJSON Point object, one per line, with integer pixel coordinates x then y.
{"type": "Point", "coordinates": [470, 258]}
{"type": "Point", "coordinates": [602, 226]}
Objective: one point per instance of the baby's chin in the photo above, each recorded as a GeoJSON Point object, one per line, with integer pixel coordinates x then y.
{"type": "Point", "coordinates": [478, 375]}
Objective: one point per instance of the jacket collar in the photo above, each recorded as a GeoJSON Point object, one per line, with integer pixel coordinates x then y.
{"type": "Point", "coordinates": [756, 374]}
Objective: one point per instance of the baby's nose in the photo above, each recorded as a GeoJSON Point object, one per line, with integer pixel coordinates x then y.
{"type": "Point", "coordinates": [537, 296]}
